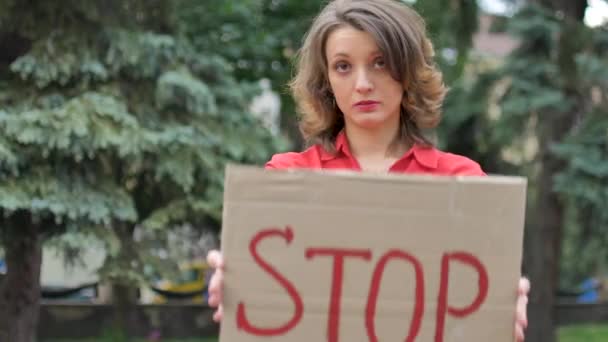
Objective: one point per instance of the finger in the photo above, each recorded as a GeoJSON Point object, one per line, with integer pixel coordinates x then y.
{"type": "Point", "coordinates": [519, 334]}
{"type": "Point", "coordinates": [522, 306]}
{"type": "Point", "coordinates": [215, 288]}
{"type": "Point", "coordinates": [215, 259]}
{"type": "Point", "coordinates": [219, 313]}
{"type": "Point", "coordinates": [214, 300]}
{"type": "Point", "coordinates": [216, 282]}
{"type": "Point", "coordinates": [522, 303]}
{"type": "Point", "coordinates": [524, 286]}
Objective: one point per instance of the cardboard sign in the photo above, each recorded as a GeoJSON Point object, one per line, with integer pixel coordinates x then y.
{"type": "Point", "coordinates": [349, 256]}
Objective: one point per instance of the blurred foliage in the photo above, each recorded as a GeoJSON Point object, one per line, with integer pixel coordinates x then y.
{"type": "Point", "coordinates": [497, 110]}
{"type": "Point", "coordinates": [112, 120]}
{"type": "Point", "coordinates": [123, 113]}
{"type": "Point", "coordinates": [547, 86]}
{"type": "Point", "coordinates": [451, 25]}
{"type": "Point", "coordinates": [259, 39]}
{"type": "Point", "coordinates": [584, 186]}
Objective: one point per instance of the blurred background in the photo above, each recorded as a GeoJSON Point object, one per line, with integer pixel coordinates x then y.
{"type": "Point", "coordinates": [118, 117]}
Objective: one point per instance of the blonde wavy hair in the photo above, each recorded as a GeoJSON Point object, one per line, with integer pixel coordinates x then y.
{"type": "Point", "coordinates": [400, 34]}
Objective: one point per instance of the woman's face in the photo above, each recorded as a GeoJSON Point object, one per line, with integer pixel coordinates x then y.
{"type": "Point", "coordinates": [363, 87]}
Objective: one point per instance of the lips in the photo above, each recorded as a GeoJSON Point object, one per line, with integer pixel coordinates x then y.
{"type": "Point", "coordinates": [367, 106]}
{"type": "Point", "coordinates": [366, 103]}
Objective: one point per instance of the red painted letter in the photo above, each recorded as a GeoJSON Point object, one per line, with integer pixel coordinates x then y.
{"type": "Point", "coordinates": [336, 285]}
{"type": "Point", "coordinates": [370, 310]}
{"type": "Point", "coordinates": [442, 301]}
{"type": "Point", "coordinates": [241, 318]}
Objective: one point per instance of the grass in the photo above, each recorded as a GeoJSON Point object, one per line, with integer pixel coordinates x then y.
{"type": "Point", "coordinates": [583, 333]}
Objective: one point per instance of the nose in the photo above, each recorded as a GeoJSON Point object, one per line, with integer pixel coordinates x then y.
{"type": "Point", "coordinates": [363, 83]}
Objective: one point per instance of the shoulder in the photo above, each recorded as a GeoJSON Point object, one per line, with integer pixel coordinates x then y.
{"type": "Point", "coordinates": [307, 159]}
{"type": "Point", "coordinates": [457, 165]}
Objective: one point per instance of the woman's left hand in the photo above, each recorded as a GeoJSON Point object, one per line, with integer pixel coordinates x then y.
{"type": "Point", "coordinates": [521, 320]}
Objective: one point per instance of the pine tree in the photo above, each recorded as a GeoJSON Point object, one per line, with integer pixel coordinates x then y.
{"type": "Point", "coordinates": [109, 120]}
{"type": "Point", "coordinates": [551, 97]}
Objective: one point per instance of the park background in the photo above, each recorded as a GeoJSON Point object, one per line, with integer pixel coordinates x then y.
{"type": "Point", "coordinates": [118, 117]}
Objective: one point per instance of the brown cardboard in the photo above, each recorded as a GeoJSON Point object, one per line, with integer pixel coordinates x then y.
{"type": "Point", "coordinates": [369, 214]}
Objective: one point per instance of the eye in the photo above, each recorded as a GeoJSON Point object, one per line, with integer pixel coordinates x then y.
{"type": "Point", "coordinates": [379, 63]}
{"type": "Point", "coordinates": [341, 67]}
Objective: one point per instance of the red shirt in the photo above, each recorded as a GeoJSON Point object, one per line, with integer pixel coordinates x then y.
{"type": "Point", "coordinates": [419, 159]}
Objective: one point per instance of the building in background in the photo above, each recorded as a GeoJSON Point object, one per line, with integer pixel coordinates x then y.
{"type": "Point", "coordinates": [494, 45]}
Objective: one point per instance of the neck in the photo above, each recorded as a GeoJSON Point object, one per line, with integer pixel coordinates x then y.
{"type": "Point", "coordinates": [380, 143]}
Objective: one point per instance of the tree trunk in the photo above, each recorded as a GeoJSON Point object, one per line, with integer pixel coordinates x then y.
{"type": "Point", "coordinates": [21, 290]}
{"type": "Point", "coordinates": [124, 302]}
{"type": "Point", "coordinates": [544, 239]}
{"type": "Point", "coordinates": [545, 246]}
{"type": "Point", "coordinates": [124, 294]}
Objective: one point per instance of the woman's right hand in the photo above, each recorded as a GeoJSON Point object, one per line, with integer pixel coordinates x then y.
{"type": "Point", "coordinates": [216, 284]}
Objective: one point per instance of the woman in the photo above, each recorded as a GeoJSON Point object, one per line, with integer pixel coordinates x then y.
{"type": "Point", "coordinates": [367, 88]}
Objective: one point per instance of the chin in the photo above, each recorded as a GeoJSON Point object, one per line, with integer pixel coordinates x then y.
{"type": "Point", "coordinates": [370, 120]}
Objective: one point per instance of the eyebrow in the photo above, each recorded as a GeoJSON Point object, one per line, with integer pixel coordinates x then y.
{"type": "Point", "coordinates": [344, 54]}
{"type": "Point", "coordinates": [340, 54]}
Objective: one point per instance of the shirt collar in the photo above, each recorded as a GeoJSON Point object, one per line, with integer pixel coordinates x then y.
{"type": "Point", "coordinates": [427, 156]}
{"type": "Point", "coordinates": [341, 148]}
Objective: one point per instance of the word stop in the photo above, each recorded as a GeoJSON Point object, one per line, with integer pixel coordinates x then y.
{"type": "Point", "coordinates": [340, 256]}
